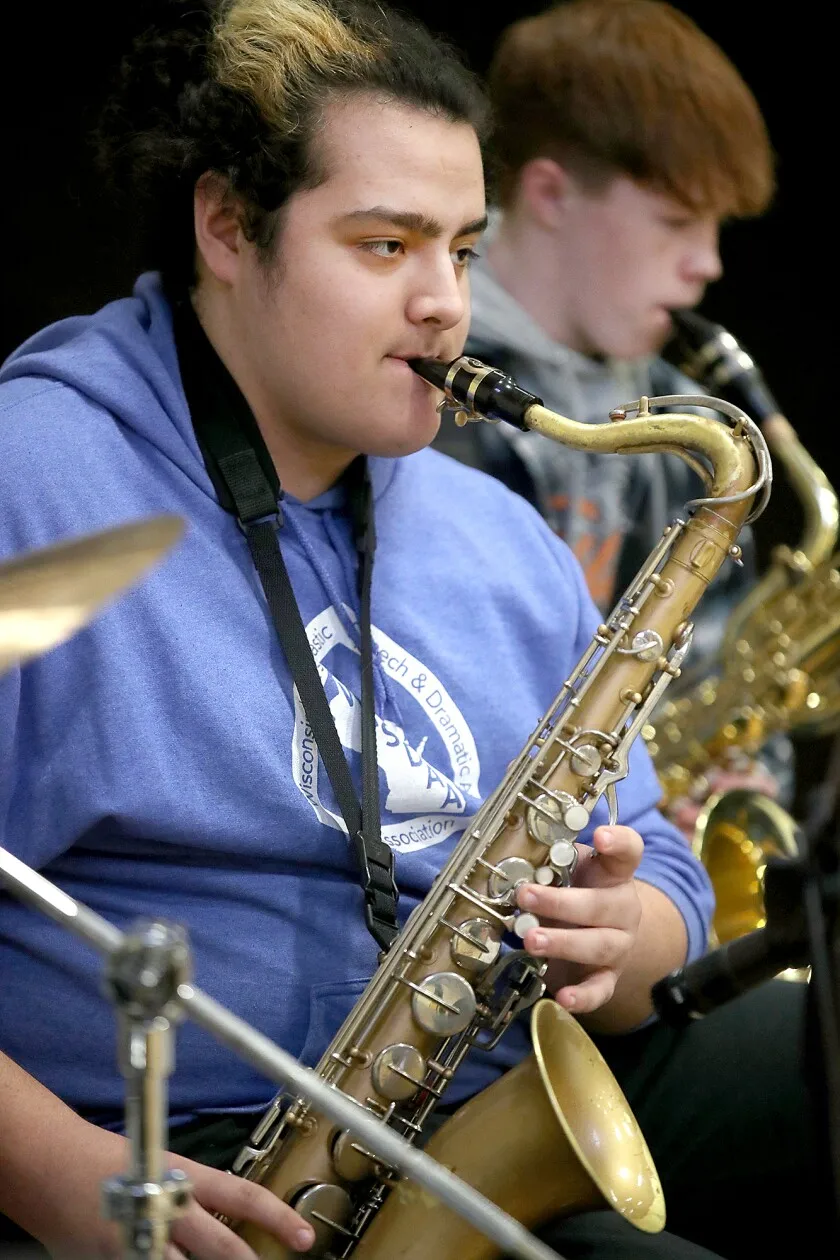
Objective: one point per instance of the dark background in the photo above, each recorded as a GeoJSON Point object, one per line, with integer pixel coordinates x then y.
{"type": "Point", "coordinates": [66, 252]}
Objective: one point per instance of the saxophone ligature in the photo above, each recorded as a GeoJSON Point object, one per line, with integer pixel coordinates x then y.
{"type": "Point", "coordinates": [779, 658]}
{"type": "Point", "coordinates": [454, 978]}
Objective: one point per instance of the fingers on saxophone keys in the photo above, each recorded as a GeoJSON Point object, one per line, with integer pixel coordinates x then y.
{"type": "Point", "coordinates": [619, 851]}
{"type": "Point", "coordinates": [583, 907]}
{"type": "Point", "coordinates": [198, 1233]}
{"type": "Point", "coordinates": [591, 994]}
{"type": "Point", "coordinates": [593, 947]}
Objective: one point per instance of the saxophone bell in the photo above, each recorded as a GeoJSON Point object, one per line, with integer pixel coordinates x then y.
{"type": "Point", "coordinates": [560, 1109]}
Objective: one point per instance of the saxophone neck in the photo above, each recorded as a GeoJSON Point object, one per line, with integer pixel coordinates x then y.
{"type": "Point", "coordinates": [712, 356]}
{"type": "Point", "coordinates": [729, 455]}
{"type": "Point", "coordinates": [813, 489]}
{"type": "Point", "coordinates": [819, 535]}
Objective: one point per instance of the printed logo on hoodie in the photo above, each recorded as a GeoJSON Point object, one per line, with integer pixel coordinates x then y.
{"type": "Point", "coordinates": [422, 804]}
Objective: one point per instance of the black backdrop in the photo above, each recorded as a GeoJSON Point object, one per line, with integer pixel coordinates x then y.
{"type": "Point", "coordinates": [65, 252]}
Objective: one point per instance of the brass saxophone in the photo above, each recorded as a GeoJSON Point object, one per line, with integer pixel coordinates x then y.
{"type": "Point", "coordinates": [446, 985]}
{"type": "Point", "coordinates": [779, 659]}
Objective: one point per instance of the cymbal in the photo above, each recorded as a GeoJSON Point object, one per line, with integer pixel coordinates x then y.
{"type": "Point", "coordinates": [47, 594]}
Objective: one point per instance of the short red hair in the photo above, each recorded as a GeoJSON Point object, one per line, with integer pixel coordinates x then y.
{"type": "Point", "coordinates": [630, 87]}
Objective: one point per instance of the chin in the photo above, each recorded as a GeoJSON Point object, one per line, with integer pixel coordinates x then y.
{"type": "Point", "coordinates": [657, 341]}
{"type": "Point", "coordinates": [389, 443]}
{"type": "Point", "coordinates": [636, 338]}
{"type": "Point", "coordinates": [640, 347]}
{"type": "Point", "coordinates": [402, 418]}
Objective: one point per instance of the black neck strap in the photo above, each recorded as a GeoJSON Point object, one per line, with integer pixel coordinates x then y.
{"type": "Point", "coordinates": [248, 486]}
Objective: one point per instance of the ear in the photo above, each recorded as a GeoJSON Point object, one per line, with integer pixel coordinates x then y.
{"type": "Point", "coordinates": [544, 187]}
{"type": "Point", "coordinates": [218, 233]}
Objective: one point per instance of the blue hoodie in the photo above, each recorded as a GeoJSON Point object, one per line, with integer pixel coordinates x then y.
{"type": "Point", "coordinates": [159, 763]}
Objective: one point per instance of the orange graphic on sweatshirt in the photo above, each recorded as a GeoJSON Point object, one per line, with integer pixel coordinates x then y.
{"type": "Point", "coordinates": [598, 555]}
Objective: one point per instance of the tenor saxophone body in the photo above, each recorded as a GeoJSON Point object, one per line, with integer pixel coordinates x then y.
{"type": "Point", "coordinates": [453, 979]}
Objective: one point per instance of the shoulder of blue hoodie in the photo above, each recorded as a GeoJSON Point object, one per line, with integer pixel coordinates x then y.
{"type": "Point", "coordinates": [159, 762]}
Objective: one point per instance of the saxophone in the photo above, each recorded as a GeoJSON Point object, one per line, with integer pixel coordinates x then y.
{"type": "Point", "coordinates": [779, 657]}
{"type": "Point", "coordinates": [447, 985]}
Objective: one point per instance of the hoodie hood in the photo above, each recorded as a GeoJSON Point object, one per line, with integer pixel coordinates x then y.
{"type": "Point", "coordinates": [123, 360]}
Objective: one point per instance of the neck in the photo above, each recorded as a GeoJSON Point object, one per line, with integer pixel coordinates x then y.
{"type": "Point", "coordinates": [530, 264]}
{"type": "Point", "coordinates": [306, 466]}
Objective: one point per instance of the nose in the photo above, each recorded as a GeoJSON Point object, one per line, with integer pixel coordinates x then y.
{"type": "Point", "coordinates": [439, 294]}
{"type": "Point", "coordinates": [702, 263]}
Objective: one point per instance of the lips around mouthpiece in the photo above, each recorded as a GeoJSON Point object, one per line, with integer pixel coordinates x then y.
{"type": "Point", "coordinates": [432, 370]}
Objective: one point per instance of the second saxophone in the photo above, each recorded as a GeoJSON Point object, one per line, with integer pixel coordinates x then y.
{"type": "Point", "coordinates": [777, 665]}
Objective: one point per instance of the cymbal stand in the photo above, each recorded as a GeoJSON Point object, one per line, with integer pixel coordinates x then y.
{"type": "Point", "coordinates": [167, 955]}
{"type": "Point", "coordinates": [143, 974]}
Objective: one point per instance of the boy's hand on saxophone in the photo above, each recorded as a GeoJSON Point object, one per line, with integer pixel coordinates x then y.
{"type": "Point", "coordinates": [588, 930]}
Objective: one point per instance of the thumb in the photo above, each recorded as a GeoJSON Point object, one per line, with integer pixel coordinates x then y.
{"type": "Point", "coordinates": [613, 857]}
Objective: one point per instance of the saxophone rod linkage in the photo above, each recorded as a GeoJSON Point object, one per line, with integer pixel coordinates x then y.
{"type": "Point", "coordinates": [267, 1057]}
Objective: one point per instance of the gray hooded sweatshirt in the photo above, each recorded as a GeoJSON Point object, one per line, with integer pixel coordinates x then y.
{"type": "Point", "coordinates": [611, 509]}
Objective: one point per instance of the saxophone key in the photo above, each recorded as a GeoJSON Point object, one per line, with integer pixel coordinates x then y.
{"type": "Point", "coordinates": [556, 817]}
{"type": "Point", "coordinates": [398, 1072]}
{"type": "Point", "coordinates": [523, 924]}
{"type": "Point", "coordinates": [506, 877]}
{"type": "Point", "coordinates": [586, 761]}
{"type": "Point", "coordinates": [327, 1209]}
{"type": "Point", "coordinates": [350, 1160]}
{"type": "Point", "coordinates": [647, 645]}
{"type": "Point", "coordinates": [475, 943]}
{"type": "Point", "coordinates": [563, 860]}
{"type": "Point", "coordinates": [444, 1003]}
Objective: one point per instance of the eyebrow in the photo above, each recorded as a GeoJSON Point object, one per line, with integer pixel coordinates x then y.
{"type": "Point", "coordinates": [414, 221]}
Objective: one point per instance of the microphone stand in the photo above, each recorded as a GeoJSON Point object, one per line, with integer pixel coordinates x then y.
{"type": "Point", "coordinates": [147, 976]}
{"type": "Point", "coordinates": [802, 902]}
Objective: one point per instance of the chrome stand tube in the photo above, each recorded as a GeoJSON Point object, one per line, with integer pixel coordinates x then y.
{"type": "Point", "coordinates": [144, 972]}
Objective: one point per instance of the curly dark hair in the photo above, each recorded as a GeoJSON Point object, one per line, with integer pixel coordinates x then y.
{"type": "Point", "coordinates": [237, 87]}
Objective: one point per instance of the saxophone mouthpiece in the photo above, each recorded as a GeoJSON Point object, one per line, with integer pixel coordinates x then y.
{"type": "Point", "coordinates": [476, 390]}
{"type": "Point", "coordinates": [432, 370]}
{"type": "Point", "coordinates": [709, 354]}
